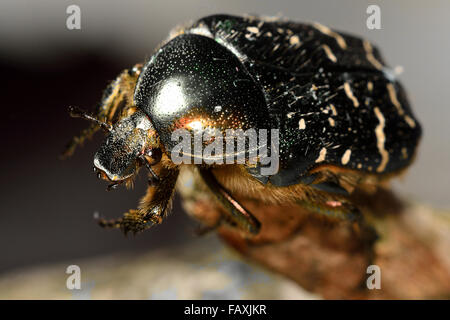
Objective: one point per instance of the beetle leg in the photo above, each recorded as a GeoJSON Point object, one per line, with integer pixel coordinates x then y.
{"type": "Point", "coordinates": [153, 179]}
{"type": "Point", "coordinates": [89, 132]}
{"type": "Point", "coordinates": [85, 134]}
{"type": "Point", "coordinates": [79, 140]}
{"type": "Point", "coordinates": [337, 209]}
{"type": "Point", "coordinates": [331, 187]}
{"type": "Point", "coordinates": [237, 213]}
{"type": "Point", "coordinates": [153, 207]}
{"type": "Point", "coordinates": [119, 94]}
{"type": "Point", "coordinates": [329, 183]}
{"type": "Point", "coordinates": [341, 209]}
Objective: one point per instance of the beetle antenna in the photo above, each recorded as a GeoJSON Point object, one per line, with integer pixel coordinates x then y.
{"type": "Point", "coordinates": [76, 112]}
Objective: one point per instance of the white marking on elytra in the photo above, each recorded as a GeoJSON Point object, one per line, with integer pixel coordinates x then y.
{"type": "Point", "coordinates": [253, 33]}
{"type": "Point", "coordinates": [381, 139]}
{"type": "Point", "coordinates": [333, 109]}
{"type": "Point", "coordinates": [410, 121]}
{"type": "Point", "coordinates": [276, 47]}
{"type": "Point", "coordinates": [331, 121]}
{"type": "Point", "coordinates": [404, 153]}
{"type": "Point", "coordinates": [253, 29]}
{"type": "Point", "coordinates": [325, 30]}
{"type": "Point", "coordinates": [349, 93]}
{"type": "Point", "coordinates": [294, 40]}
{"type": "Point", "coordinates": [398, 106]}
{"type": "Point", "coordinates": [329, 53]}
{"type": "Point", "coordinates": [302, 124]}
{"type": "Point", "coordinates": [346, 156]}
{"type": "Point", "coordinates": [393, 97]}
{"type": "Point", "coordinates": [369, 55]}
{"type": "Point", "coordinates": [322, 155]}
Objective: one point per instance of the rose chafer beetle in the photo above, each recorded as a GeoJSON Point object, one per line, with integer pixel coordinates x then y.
{"type": "Point", "coordinates": [343, 119]}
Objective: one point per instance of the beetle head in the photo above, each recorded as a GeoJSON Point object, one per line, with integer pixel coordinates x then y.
{"type": "Point", "coordinates": [131, 143]}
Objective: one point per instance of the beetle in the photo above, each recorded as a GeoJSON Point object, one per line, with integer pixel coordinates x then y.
{"type": "Point", "coordinates": [343, 119]}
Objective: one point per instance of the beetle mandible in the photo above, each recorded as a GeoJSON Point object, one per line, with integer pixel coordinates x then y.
{"type": "Point", "coordinates": [344, 121]}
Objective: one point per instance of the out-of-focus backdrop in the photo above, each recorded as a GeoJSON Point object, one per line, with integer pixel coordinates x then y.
{"type": "Point", "coordinates": [47, 205]}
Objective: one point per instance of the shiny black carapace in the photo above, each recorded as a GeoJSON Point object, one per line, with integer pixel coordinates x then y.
{"type": "Point", "coordinates": [343, 119]}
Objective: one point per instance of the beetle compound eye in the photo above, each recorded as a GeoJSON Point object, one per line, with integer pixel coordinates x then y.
{"type": "Point", "coordinates": [153, 156]}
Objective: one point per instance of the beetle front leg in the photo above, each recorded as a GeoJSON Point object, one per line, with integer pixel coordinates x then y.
{"type": "Point", "coordinates": [153, 207]}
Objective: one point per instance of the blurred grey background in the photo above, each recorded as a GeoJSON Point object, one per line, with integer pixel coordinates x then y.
{"type": "Point", "coordinates": [47, 205]}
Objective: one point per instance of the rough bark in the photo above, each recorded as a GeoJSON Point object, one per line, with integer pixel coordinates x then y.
{"type": "Point", "coordinates": [328, 257]}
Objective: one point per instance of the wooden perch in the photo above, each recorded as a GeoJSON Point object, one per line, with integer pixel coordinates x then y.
{"type": "Point", "coordinates": [328, 258]}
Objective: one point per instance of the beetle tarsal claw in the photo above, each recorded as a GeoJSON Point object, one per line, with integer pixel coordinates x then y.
{"type": "Point", "coordinates": [105, 223]}
{"type": "Point", "coordinates": [75, 112]}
